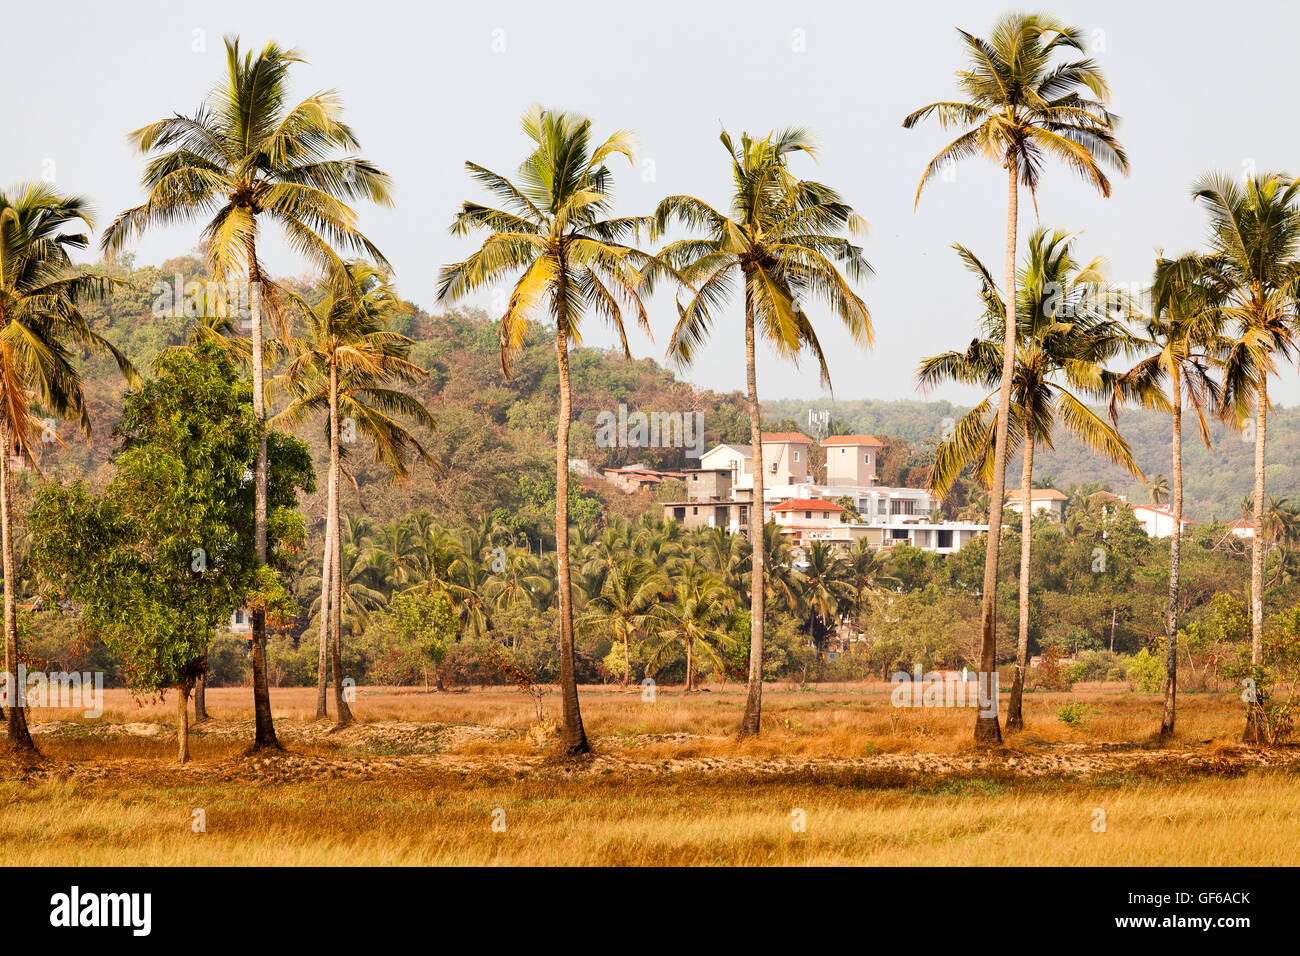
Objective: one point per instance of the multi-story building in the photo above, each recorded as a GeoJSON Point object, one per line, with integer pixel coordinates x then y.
{"type": "Point", "coordinates": [851, 505]}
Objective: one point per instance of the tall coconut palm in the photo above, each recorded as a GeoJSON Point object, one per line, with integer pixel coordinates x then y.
{"type": "Point", "coordinates": [343, 368]}
{"type": "Point", "coordinates": [555, 231]}
{"type": "Point", "coordinates": [783, 240]}
{"type": "Point", "coordinates": [41, 332]}
{"type": "Point", "coordinates": [1023, 105]}
{"type": "Point", "coordinates": [1065, 339]}
{"type": "Point", "coordinates": [243, 159]}
{"type": "Point", "coordinates": [1186, 341]}
{"type": "Point", "coordinates": [1253, 270]}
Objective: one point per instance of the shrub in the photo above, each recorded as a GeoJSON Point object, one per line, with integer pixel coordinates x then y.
{"type": "Point", "coordinates": [1147, 671]}
{"type": "Point", "coordinates": [1076, 713]}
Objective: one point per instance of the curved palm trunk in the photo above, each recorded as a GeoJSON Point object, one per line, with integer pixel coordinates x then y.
{"type": "Point", "coordinates": [341, 707]}
{"type": "Point", "coordinates": [1175, 549]}
{"type": "Point", "coordinates": [749, 725]}
{"type": "Point", "coordinates": [573, 741]}
{"type": "Point", "coordinates": [264, 735]}
{"type": "Point", "coordinates": [1015, 715]}
{"type": "Point", "coordinates": [1253, 730]}
{"type": "Point", "coordinates": [20, 739]}
{"type": "Point", "coordinates": [987, 730]}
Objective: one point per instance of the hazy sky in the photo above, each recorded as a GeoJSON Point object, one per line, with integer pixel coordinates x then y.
{"type": "Point", "coordinates": [1198, 85]}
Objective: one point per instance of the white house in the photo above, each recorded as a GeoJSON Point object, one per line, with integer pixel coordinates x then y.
{"type": "Point", "coordinates": [1156, 521]}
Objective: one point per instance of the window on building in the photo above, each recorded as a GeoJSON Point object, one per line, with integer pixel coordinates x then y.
{"type": "Point", "coordinates": [796, 456]}
{"type": "Point", "coordinates": [807, 514]}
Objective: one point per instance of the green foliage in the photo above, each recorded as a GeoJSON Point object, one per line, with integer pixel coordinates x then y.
{"type": "Point", "coordinates": [1076, 713]}
{"type": "Point", "coordinates": [1147, 671]}
{"type": "Point", "coordinates": [164, 556]}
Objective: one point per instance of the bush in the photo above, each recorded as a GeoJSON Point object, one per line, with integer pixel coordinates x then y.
{"type": "Point", "coordinates": [1076, 713]}
{"type": "Point", "coordinates": [1147, 671]}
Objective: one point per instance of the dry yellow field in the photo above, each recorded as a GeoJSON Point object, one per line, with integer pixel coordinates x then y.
{"type": "Point", "coordinates": [839, 776]}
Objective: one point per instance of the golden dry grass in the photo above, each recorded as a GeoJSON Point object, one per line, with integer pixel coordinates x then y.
{"type": "Point", "coordinates": [422, 778]}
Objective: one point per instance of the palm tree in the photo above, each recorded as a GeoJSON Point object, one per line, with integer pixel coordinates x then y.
{"type": "Point", "coordinates": [1158, 490]}
{"type": "Point", "coordinates": [696, 620]}
{"type": "Point", "coordinates": [244, 159]}
{"type": "Point", "coordinates": [1252, 270]}
{"type": "Point", "coordinates": [826, 592]}
{"type": "Point", "coordinates": [40, 327]}
{"type": "Point", "coordinates": [865, 572]}
{"type": "Point", "coordinates": [1187, 342]}
{"type": "Point", "coordinates": [781, 237]}
{"type": "Point", "coordinates": [1022, 106]}
{"type": "Point", "coordinates": [342, 368]}
{"type": "Point", "coordinates": [1065, 339]}
{"type": "Point", "coordinates": [628, 603]}
{"type": "Point", "coordinates": [555, 230]}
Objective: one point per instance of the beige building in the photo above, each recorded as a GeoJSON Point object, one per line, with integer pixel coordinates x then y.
{"type": "Point", "coordinates": [1044, 501]}
{"type": "Point", "coordinates": [851, 460]}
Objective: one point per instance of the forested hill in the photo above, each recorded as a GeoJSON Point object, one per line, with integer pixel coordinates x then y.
{"type": "Point", "coordinates": [1216, 478]}
{"type": "Point", "coordinates": [495, 435]}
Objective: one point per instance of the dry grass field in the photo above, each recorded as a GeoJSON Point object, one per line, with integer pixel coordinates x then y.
{"type": "Point", "coordinates": [838, 776]}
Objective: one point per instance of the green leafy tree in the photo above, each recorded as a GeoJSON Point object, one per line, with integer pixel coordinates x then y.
{"type": "Point", "coordinates": [162, 558]}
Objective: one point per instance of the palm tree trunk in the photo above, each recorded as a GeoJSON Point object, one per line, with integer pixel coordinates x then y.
{"type": "Point", "coordinates": [341, 708]}
{"type": "Point", "coordinates": [1015, 715]}
{"type": "Point", "coordinates": [574, 738]}
{"type": "Point", "coordinates": [264, 735]}
{"type": "Point", "coordinates": [1253, 730]}
{"type": "Point", "coordinates": [326, 596]}
{"type": "Point", "coordinates": [987, 730]}
{"type": "Point", "coordinates": [749, 726]}
{"type": "Point", "coordinates": [1257, 544]}
{"type": "Point", "coordinates": [20, 740]}
{"type": "Point", "coordinates": [690, 664]}
{"type": "Point", "coordinates": [1175, 548]}
{"type": "Point", "coordinates": [627, 660]}
{"type": "Point", "coordinates": [326, 587]}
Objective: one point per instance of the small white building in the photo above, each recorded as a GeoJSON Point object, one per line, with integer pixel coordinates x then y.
{"type": "Point", "coordinates": [1156, 521]}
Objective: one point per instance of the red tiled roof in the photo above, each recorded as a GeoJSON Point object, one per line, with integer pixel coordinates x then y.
{"type": "Point", "coordinates": [777, 438]}
{"type": "Point", "coordinates": [807, 504]}
{"type": "Point", "coordinates": [852, 440]}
